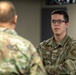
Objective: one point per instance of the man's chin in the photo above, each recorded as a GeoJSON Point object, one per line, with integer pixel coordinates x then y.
{"type": "Point", "coordinates": [57, 34]}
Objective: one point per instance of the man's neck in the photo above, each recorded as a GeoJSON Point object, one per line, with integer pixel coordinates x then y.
{"type": "Point", "coordinates": [59, 38]}
{"type": "Point", "coordinates": [7, 25]}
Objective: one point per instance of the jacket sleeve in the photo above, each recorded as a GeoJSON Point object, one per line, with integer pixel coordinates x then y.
{"type": "Point", "coordinates": [71, 62]}
{"type": "Point", "coordinates": [36, 65]}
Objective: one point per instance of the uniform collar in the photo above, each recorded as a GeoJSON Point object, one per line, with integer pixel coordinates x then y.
{"type": "Point", "coordinates": [53, 43]}
{"type": "Point", "coordinates": [10, 31]}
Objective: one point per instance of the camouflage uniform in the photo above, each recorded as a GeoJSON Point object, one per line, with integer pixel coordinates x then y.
{"type": "Point", "coordinates": [58, 59]}
{"type": "Point", "coordinates": [17, 55]}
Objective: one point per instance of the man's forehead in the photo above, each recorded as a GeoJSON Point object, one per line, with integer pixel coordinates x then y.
{"type": "Point", "coordinates": [57, 16]}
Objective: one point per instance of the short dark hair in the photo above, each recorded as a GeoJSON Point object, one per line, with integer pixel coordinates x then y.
{"type": "Point", "coordinates": [7, 15]}
{"type": "Point", "coordinates": [61, 12]}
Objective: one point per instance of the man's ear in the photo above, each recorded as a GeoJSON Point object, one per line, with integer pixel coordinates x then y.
{"type": "Point", "coordinates": [67, 24]}
{"type": "Point", "coordinates": [15, 19]}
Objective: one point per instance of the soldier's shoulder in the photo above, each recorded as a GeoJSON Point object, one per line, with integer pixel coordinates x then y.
{"type": "Point", "coordinates": [72, 51]}
{"type": "Point", "coordinates": [45, 42]}
{"type": "Point", "coordinates": [73, 42]}
{"type": "Point", "coordinates": [15, 39]}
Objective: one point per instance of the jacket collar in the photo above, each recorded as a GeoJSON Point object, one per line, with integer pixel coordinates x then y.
{"type": "Point", "coordinates": [10, 31]}
{"type": "Point", "coordinates": [53, 43]}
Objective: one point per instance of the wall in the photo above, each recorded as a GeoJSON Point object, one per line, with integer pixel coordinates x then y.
{"type": "Point", "coordinates": [28, 25]}
{"type": "Point", "coordinates": [72, 15]}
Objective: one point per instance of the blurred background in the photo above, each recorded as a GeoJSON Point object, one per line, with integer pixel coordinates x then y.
{"type": "Point", "coordinates": [34, 18]}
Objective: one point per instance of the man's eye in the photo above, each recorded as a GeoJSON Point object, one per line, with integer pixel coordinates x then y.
{"type": "Point", "coordinates": [54, 21]}
{"type": "Point", "coordinates": [59, 21]}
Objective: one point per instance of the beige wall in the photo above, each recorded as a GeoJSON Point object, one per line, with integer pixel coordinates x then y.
{"type": "Point", "coordinates": [28, 25]}
{"type": "Point", "coordinates": [29, 18]}
{"type": "Point", "coordinates": [72, 15]}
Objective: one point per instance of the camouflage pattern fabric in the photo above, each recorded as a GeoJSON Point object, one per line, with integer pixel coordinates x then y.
{"type": "Point", "coordinates": [58, 59]}
{"type": "Point", "coordinates": [18, 56]}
